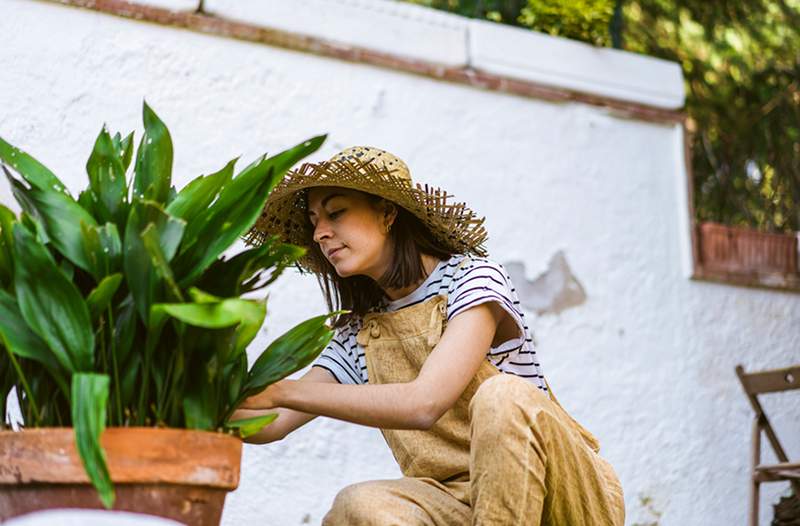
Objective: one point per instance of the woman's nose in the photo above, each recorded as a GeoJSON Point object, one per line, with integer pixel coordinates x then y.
{"type": "Point", "coordinates": [321, 230]}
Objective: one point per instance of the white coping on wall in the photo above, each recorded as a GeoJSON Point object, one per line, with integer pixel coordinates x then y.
{"type": "Point", "coordinates": [422, 33]}
{"type": "Point", "coordinates": [564, 63]}
{"type": "Point", "coordinates": [400, 28]}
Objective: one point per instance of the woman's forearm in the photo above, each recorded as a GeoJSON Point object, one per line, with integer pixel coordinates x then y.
{"type": "Point", "coordinates": [387, 406]}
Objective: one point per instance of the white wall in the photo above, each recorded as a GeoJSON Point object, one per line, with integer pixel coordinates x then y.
{"type": "Point", "coordinates": [646, 362]}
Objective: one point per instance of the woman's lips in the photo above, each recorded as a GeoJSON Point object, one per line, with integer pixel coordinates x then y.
{"type": "Point", "coordinates": [334, 251]}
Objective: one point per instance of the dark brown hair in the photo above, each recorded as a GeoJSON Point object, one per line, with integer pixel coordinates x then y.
{"type": "Point", "coordinates": [358, 294]}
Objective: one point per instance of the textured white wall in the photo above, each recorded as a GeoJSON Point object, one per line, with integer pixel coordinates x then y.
{"type": "Point", "coordinates": [646, 362]}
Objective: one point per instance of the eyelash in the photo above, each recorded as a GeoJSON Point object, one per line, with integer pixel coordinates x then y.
{"type": "Point", "coordinates": [333, 215]}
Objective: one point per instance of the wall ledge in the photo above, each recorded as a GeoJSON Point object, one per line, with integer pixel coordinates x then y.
{"type": "Point", "coordinates": [422, 41]}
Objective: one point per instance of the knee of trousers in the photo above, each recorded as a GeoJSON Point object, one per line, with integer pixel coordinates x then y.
{"type": "Point", "coordinates": [505, 393]}
{"type": "Point", "coordinates": [355, 504]}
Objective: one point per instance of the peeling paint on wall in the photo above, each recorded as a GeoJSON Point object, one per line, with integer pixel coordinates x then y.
{"type": "Point", "coordinates": [553, 291]}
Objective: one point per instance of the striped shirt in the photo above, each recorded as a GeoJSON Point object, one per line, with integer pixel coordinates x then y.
{"type": "Point", "coordinates": [479, 281]}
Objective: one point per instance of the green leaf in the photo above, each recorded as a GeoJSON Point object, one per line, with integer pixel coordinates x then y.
{"type": "Point", "coordinates": [141, 276]}
{"type": "Point", "coordinates": [251, 269]}
{"type": "Point", "coordinates": [254, 174]}
{"type": "Point", "coordinates": [235, 374]}
{"type": "Point", "coordinates": [235, 211]}
{"type": "Point", "coordinates": [7, 220]}
{"type": "Point", "coordinates": [100, 297]}
{"type": "Point", "coordinates": [103, 249]}
{"type": "Point", "coordinates": [20, 339]}
{"type": "Point", "coordinates": [158, 260]}
{"type": "Point", "coordinates": [246, 315]}
{"type": "Point", "coordinates": [196, 196]}
{"type": "Point", "coordinates": [37, 174]}
{"type": "Point", "coordinates": [125, 328]}
{"type": "Point", "coordinates": [153, 160]}
{"type": "Point", "coordinates": [89, 397]}
{"type": "Point", "coordinates": [225, 313]}
{"type": "Point", "coordinates": [250, 426]}
{"type": "Point", "coordinates": [126, 147]}
{"type": "Point", "coordinates": [52, 307]}
{"type": "Point", "coordinates": [107, 178]}
{"type": "Point", "coordinates": [289, 353]}
{"type": "Point", "coordinates": [60, 216]}
{"type": "Point", "coordinates": [199, 401]}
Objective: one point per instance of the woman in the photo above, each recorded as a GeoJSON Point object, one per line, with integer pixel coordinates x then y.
{"type": "Point", "coordinates": [435, 353]}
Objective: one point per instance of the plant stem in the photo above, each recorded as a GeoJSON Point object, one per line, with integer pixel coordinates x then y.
{"type": "Point", "coordinates": [25, 386]}
{"type": "Point", "coordinates": [117, 394]}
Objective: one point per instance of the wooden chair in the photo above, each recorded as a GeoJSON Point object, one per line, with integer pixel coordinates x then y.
{"type": "Point", "coordinates": [756, 383]}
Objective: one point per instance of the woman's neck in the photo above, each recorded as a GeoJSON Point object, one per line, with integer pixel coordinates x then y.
{"type": "Point", "coordinates": [429, 264]}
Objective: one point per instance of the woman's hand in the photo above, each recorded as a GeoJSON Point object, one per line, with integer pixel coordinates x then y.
{"type": "Point", "coordinates": [270, 398]}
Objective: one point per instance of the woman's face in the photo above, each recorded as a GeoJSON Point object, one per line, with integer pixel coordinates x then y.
{"type": "Point", "coordinates": [351, 230]}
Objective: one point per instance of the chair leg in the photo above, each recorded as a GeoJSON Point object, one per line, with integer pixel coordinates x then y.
{"type": "Point", "coordinates": [755, 458]}
{"type": "Point", "coordinates": [754, 502]}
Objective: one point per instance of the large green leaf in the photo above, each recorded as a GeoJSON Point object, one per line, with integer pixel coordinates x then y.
{"type": "Point", "coordinates": [203, 388]}
{"type": "Point", "coordinates": [235, 211]}
{"type": "Point", "coordinates": [60, 216]}
{"type": "Point", "coordinates": [100, 297]}
{"type": "Point", "coordinates": [125, 328]}
{"type": "Point", "coordinates": [89, 397]}
{"type": "Point", "coordinates": [279, 164]}
{"type": "Point", "coordinates": [158, 260]}
{"type": "Point", "coordinates": [251, 269]}
{"type": "Point", "coordinates": [103, 249]}
{"type": "Point", "coordinates": [7, 220]}
{"type": "Point", "coordinates": [221, 232]}
{"type": "Point", "coordinates": [125, 147]}
{"type": "Point", "coordinates": [153, 160]}
{"type": "Point", "coordinates": [196, 196]}
{"type": "Point", "coordinates": [20, 339]}
{"type": "Point", "coordinates": [140, 273]}
{"type": "Point", "coordinates": [37, 174]}
{"type": "Point", "coordinates": [51, 304]}
{"type": "Point", "coordinates": [107, 179]}
{"type": "Point", "coordinates": [246, 315]}
{"type": "Point", "coordinates": [225, 313]}
{"type": "Point", "coordinates": [250, 426]}
{"type": "Point", "coordinates": [289, 353]}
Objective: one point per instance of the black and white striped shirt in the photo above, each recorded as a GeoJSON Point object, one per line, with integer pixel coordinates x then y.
{"type": "Point", "coordinates": [478, 281]}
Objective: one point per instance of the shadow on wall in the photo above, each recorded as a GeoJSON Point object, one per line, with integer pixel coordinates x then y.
{"type": "Point", "coordinates": [553, 291]}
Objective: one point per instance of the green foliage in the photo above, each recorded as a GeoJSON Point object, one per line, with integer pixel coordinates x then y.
{"type": "Point", "coordinates": [586, 20]}
{"type": "Point", "coordinates": [119, 308]}
{"type": "Point", "coordinates": [742, 74]}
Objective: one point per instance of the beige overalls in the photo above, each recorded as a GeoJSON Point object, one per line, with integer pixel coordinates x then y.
{"type": "Point", "coordinates": [504, 454]}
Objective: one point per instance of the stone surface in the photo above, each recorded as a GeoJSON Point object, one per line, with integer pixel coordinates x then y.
{"type": "Point", "coordinates": [646, 362]}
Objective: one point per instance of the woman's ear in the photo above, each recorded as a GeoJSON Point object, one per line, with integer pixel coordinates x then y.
{"type": "Point", "coordinates": [389, 212]}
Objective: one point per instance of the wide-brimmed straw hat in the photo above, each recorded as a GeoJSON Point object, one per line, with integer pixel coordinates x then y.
{"type": "Point", "coordinates": [376, 172]}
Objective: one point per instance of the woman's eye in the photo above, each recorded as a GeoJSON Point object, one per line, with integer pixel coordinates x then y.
{"type": "Point", "coordinates": [336, 213]}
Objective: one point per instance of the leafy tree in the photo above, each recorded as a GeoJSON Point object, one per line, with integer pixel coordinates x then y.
{"type": "Point", "coordinates": [741, 66]}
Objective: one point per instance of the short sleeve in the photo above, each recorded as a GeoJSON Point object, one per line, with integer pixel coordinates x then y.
{"type": "Point", "coordinates": [480, 281]}
{"type": "Point", "coordinates": [339, 358]}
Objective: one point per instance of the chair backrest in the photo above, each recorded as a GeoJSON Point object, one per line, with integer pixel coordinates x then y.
{"type": "Point", "coordinates": [771, 381]}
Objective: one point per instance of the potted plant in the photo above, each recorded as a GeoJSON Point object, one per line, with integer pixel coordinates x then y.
{"type": "Point", "coordinates": [119, 310]}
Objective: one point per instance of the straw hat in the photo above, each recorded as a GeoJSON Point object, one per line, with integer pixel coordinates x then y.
{"type": "Point", "coordinates": [373, 171]}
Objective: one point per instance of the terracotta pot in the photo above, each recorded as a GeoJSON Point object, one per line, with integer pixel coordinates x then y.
{"type": "Point", "coordinates": [174, 473]}
{"type": "Point", "coordinates": [745, 250]}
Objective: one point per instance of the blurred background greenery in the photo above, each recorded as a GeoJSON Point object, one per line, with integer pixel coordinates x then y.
{"type": "Point", "coordinates": [741, 65]}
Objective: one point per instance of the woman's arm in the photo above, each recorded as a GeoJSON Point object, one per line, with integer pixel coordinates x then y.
{"type": "Point", "coordinates": [413, 405]}
{"type": "Point", "coordinates": [288, 419]}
